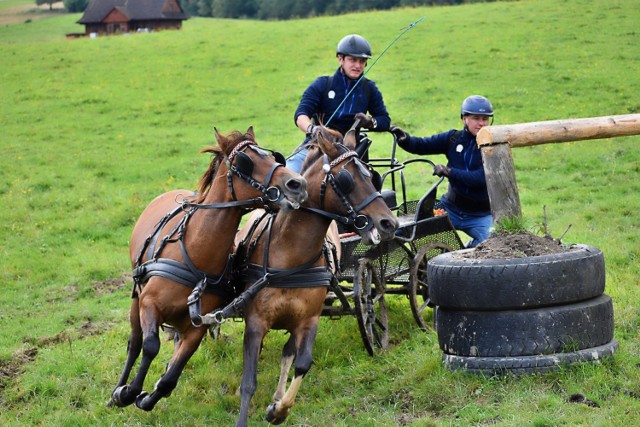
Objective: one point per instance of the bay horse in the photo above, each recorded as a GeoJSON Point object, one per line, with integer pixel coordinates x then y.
{"type": "Point", "coordinates": [290, 245]}
{"type": "Point", "coordinates": [180, 245]}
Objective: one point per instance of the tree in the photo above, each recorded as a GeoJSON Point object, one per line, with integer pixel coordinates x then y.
{"type": "Point", "coordinates": [75, 6]}
{"type": "Point", "coordinates": [49, 2]}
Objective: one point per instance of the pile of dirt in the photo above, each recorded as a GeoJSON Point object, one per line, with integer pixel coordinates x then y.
{"type": "Point", "coordinates": [503, 245]}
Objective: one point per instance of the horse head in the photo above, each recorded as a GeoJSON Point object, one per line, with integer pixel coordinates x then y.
{"type": "Point", "coordinates": [347, 186]}
{"type": "Point", "coordinates": [252, 172]}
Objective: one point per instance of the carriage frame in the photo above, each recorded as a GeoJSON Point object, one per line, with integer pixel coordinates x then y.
{"type": "Point", "coordinates": [366, 274]}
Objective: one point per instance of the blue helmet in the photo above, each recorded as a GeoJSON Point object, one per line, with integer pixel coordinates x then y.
{"type": "Point", "coordinates": [476, 104]}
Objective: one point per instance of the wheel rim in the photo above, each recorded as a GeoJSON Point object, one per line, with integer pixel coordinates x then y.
{"type": "Point", "coordinates": [371, 308]}
{"type": "Point", "coordinates": [418, 284]}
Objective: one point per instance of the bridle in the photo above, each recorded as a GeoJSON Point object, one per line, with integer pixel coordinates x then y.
{"type": "Point", "coordinates": [243, 169]}
{"type": "Point", "coordinates": [342, 184]}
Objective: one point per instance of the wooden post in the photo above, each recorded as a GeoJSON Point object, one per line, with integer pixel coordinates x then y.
{"type": "Point", "coordinates": [501, 181]}
{"type": "Point", "coordinates": [495, 143]}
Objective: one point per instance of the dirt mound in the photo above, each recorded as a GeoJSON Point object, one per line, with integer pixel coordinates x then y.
{"type": "Point", "coordinates": [514, 245]}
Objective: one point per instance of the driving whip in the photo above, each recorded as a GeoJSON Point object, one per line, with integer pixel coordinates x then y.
{"type": "Point", "coordinates": [405, 29]}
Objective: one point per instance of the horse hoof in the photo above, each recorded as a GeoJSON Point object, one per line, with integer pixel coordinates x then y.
{"type": "Point", "coordinates": [272, 418]}
{"type": "Point", "coordinates": [121, 397]}
{"type": "Point", "coordinates": [144, 402]}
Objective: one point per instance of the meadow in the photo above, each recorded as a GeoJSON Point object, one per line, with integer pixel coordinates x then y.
{"type": "Point", "coordinates": [93, 129]}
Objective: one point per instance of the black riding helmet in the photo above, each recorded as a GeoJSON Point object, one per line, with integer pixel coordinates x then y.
{"type": "Point", "coordinates": [354, 45]}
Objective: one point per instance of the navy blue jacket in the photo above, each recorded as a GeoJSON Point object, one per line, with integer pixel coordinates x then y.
{"type": "Point", "coordinates": [319, 103]}
{"type": "Point", "coordinates": [467, 183]}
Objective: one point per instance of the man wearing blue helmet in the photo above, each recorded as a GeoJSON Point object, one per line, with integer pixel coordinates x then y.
{"type": "Point", "coordinates": [467, 199]}
{"type": "Point", "coordinates": [325, 99]}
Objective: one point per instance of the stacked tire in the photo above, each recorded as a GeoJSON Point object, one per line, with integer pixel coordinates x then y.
{"type": "Point", "coordinates": [521, 315]}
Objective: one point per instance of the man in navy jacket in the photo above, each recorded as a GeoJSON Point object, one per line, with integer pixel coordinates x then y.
{"type": "Point", "coordinates": [467, 199]}
{"type": "Point", "coordinates": [323, 99]}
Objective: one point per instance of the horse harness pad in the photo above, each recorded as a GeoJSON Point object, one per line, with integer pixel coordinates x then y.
{"type": "Point", "coordinates": [184, 273]}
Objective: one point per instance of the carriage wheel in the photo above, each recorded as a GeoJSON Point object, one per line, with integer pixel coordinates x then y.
{"type": "Point", "coordinates": [370, 307]}
{"type": "Point", "coordinates": [418, 285]}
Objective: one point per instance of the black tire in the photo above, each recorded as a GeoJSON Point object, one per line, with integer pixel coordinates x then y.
{"type": "Point", "coordinates": [371, 308]}
{"type": "Point", "coordinates": [516, 283]}
{"type": "Point", "coordinates": [527, 364]}
{"type": "Point", "coordinates": [529, 332]}
{"type": "Point", "coordinates": [418, 284]}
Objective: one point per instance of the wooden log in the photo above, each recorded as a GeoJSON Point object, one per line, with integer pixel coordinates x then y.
{"type": "Point", "coordinates": [534, 133]}
{"type": "Point", "coordinates": [499, 171]}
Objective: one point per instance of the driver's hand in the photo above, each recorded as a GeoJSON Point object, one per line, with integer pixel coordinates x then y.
{"type": "Point", "coordinates": [365, 121]}
{"type": "Point", "coordinates": [441, 170]}
{"type": "Point", "coordinates": [400, 135]}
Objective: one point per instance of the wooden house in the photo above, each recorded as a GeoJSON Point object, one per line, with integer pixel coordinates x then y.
{"type": "Point", "coordinates": [103, 17]}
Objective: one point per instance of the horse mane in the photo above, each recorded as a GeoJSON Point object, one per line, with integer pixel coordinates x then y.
{"type": "Point", "coordinates": [314, 151]}
{"type": "Point", "coordinates": [226, 144]}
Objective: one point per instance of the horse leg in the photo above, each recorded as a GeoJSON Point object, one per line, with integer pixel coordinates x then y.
{"type": "Point", "coordinates": [253, 337]}
{"type": "Point", "coordinates": [278, 411]}
{"type": "Point", "coordinates": [288, 356]}
{"type": "Point", "coordinates": [134, 346]}
{"type": "Point", "coordinates": [188, 343]}
{"type": "Point", "coordinates": [127, 394]}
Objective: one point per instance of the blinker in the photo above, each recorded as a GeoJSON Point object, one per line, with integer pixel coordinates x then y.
{"type": "Point", "coordinates": [244, 164]}
{"type": "Point", "coordinates": [345, 181]}
{"type": "Point", "coordinates": [279, 158]}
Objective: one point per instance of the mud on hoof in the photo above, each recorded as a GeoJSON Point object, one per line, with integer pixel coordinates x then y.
{"type": "Point", "coordinates": [274, 418]}
{"type": "Point", "coordinates": [121, 397]}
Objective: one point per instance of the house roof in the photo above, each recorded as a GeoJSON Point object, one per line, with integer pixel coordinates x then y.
{"type": "Point", "coordinates": [135, 10]}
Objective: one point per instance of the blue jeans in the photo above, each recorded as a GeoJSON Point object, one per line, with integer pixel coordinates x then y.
{"type": "Point", "coordinates": [477, 225]}
{"type": "Point", "coordinates": [295, 160]}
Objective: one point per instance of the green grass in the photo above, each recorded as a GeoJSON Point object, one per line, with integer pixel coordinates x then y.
{"type": "Point", "coordinates": [93, 129]}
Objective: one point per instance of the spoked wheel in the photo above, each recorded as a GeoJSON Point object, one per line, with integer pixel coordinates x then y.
{"type": "Point", "coordinates": [371, 309]}
{"type": "Point", "coordinates": [418, 285]}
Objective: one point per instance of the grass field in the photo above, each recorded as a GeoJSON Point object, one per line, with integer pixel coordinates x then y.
{"type": "Point", "coordinates": [93, 129]}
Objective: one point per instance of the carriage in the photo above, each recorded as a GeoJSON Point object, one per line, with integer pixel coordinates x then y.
{"type": "Point", "coordinates": [366, 274]}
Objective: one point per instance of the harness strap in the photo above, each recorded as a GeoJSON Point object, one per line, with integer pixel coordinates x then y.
{"type": "Point", "coordinates": [234, 308]}
{"type": "Point", "coordinates": [366, 202]}
{"type": "Point", "coordinates": [308, 278]}
{"type": "Point", "coordinates": [269, 276]}
{"type": "Point", "coordinates": [178, 272]}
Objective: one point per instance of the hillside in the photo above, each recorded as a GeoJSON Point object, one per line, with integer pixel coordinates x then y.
{"type": "Point", "coordinates": [94, 129]}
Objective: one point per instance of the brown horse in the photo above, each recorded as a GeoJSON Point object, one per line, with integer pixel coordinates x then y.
{"type": "Point", "coordinates": [180, 247]}
{"type": "Point", "coordinates": [291, 244]}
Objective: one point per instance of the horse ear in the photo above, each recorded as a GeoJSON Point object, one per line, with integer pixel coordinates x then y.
{"type": "Point", "coordinates": [350, 139]}
{"type": "Point", "coordinates": [324, 140]}
{"type": "Point", "coordinates": [251, 134]}
{"type": "Point", "coordinates": [217, 134]}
